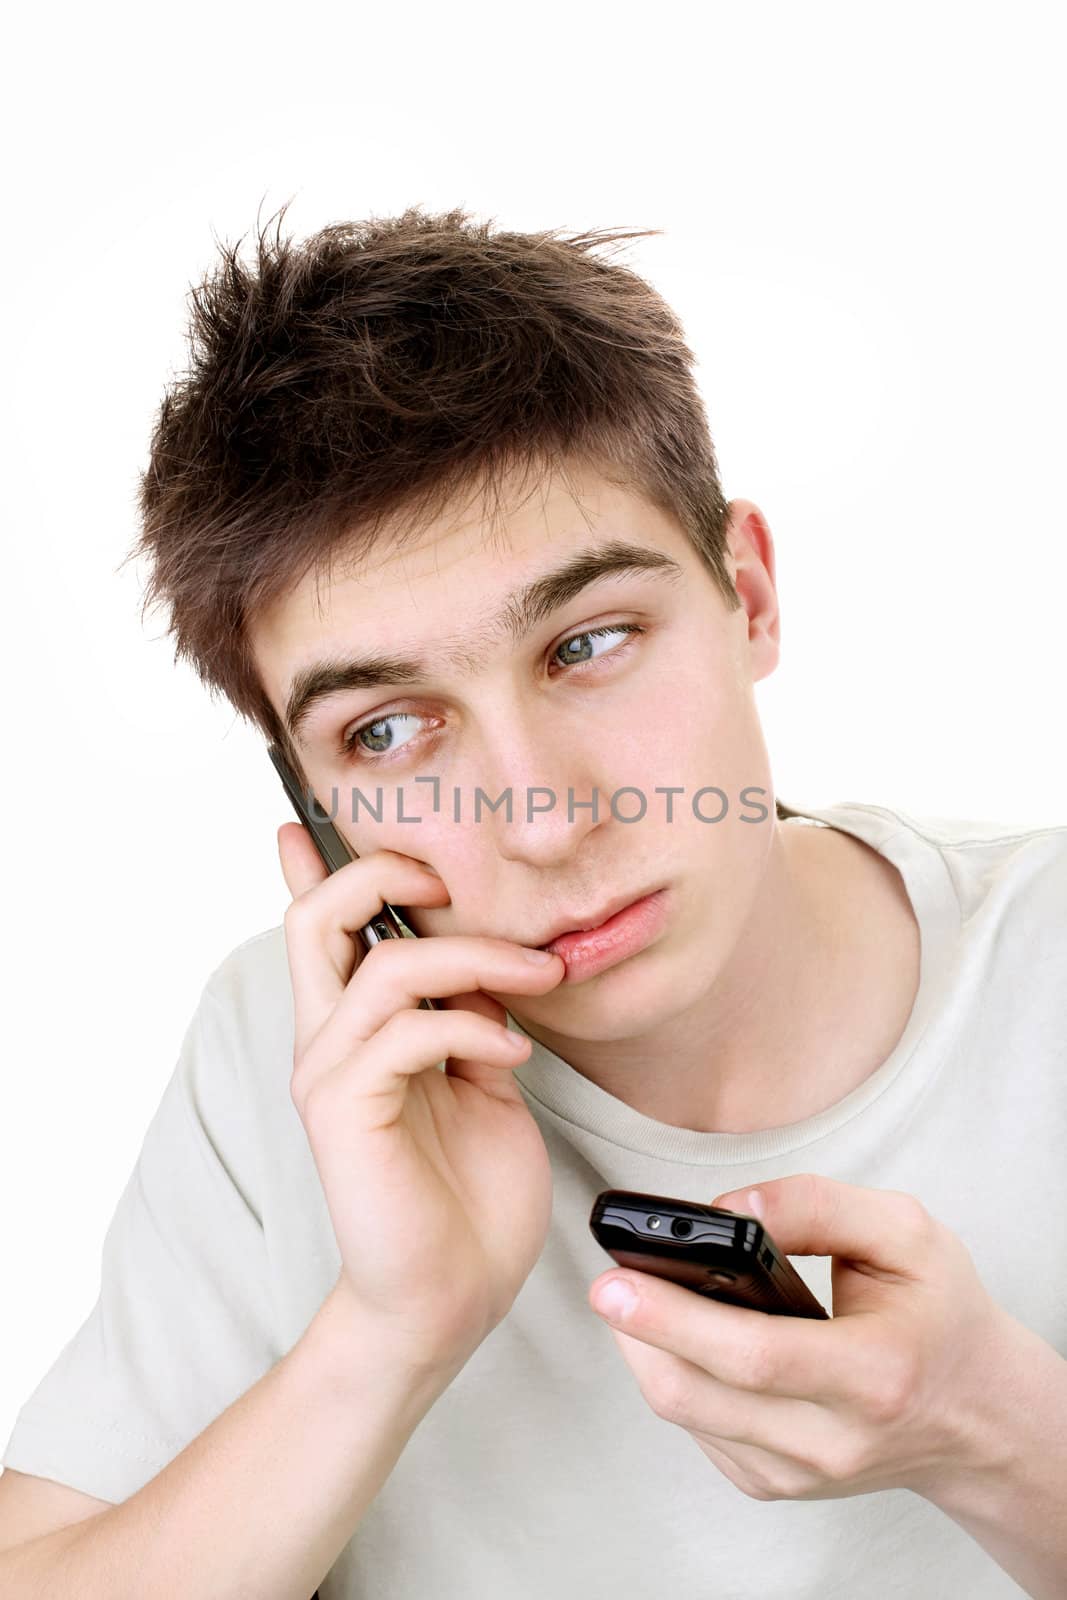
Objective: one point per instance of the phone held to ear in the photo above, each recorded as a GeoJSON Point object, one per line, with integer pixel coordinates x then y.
{"type": "Point", "coordinates": [335, 853]}
{"type": "Point", "coordinates": [720, 1254]}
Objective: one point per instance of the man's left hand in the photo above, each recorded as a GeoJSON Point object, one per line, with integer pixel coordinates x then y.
{"type": "Point", "coordinates": [892, 1392]}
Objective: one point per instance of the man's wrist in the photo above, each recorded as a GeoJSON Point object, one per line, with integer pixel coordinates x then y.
{"type": "Point", "coordinates": [355, 1347]}
{"type": "Point", "coordinates": [990, 1439]}
{"type": "Point", "coordinates": [1008, 1490]}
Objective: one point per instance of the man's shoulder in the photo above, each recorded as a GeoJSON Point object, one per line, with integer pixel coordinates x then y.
{"type": "Point", "coordinates": [1008, 868]}
{"type": "Point", "coordinates": [250, 992]}
{"type": "Point", "coordinates": [1019, 869]}
{"type": "Point", "coordinates": [1000, 847]}
{"type": "Point", "coordinates": [260, 959]}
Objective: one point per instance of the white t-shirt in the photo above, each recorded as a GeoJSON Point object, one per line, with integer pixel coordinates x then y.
{"type": "Point", "coordinates": [542, 1470]}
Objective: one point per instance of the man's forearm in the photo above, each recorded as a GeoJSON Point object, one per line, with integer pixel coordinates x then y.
{"type": "Point", "coordinates": [1016, 1506]}
{"type": "Point", "coordinates": [261, 1502]}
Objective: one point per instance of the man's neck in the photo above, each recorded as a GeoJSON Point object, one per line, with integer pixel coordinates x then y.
{"type": "Point", "coordinates": [816, 994]}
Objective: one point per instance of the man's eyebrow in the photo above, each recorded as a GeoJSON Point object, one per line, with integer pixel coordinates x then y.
{"type": "Point", "coordinates": [519, 614]}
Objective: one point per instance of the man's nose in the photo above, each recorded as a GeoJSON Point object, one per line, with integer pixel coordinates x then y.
{"type": "Point", "coordinates": [555, 793]}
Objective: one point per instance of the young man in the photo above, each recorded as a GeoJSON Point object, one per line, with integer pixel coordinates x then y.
{"type": "Point", "coordinates": [436, 508]}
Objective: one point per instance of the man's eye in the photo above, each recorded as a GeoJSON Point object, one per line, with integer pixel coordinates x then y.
{"type": "Point", "coordinates": [374, 730]}
{"type": "Point", "coordinates": [572, 655]}
{"type": "Point", "coordinates": [575, 655]}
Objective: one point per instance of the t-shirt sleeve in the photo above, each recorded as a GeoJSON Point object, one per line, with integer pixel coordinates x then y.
{"type": "Point", "coordinates": [182, 1326]}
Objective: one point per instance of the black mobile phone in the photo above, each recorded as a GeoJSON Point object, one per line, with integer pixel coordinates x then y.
{"type": "Point", "coordinates": [723, 1255]}
{"type": "Point", "coordinates": [388, 923]}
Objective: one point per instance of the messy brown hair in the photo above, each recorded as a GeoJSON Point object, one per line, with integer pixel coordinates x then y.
{"type": "Point", "coordinates": [377, 372]}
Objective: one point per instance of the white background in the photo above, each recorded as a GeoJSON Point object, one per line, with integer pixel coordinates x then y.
{"type": "Point", "coordinates": [863, 233]}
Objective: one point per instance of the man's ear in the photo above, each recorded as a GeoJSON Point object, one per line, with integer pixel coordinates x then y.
{"type": "Point", "coordinates": [752, 559]}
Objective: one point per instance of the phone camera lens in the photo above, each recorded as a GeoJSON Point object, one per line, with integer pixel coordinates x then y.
{"type": "Point", "coordinates": [681, 1226]}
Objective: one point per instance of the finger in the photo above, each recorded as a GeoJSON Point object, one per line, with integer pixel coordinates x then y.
{"type": "Point", "coordinates": [301, 864]}
{"type": "Point", "coordinates": [474, 1000]}
{"type": "Point", "coordinates": [679, 1391]}
{"type": "Point", "coordinates": [398, 973]}
{"type": "Point", "coordinates": [321, 926]}
{"type": "Point", "coordinates": [365, 1092]}
{"type": "Point", "coordinates": [478, 1000]}
{"type": "Point", "coordinates": [806, 1214]}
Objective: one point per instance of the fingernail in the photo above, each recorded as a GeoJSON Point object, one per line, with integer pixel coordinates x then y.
{"type": "Point", "coordinates": [540, 956]}
{"type": "Point", "coordinates": [616, 1299]}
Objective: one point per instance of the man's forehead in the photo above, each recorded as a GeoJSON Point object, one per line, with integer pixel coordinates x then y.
{"type": "Point", "coordinates": [506, 574]}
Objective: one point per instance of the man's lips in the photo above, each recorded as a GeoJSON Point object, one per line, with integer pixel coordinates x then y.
{"type": "Point", "coordinates": [588, 953]}
{"type": "Point", "coordinates": [591, 920]}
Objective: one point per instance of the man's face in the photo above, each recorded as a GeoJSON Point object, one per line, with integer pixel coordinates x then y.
{"type": "Point", "coordinates": [668, 707]}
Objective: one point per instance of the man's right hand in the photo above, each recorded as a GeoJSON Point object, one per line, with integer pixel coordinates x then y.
{"type": "Point", "coordinates": [438, 1184]}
